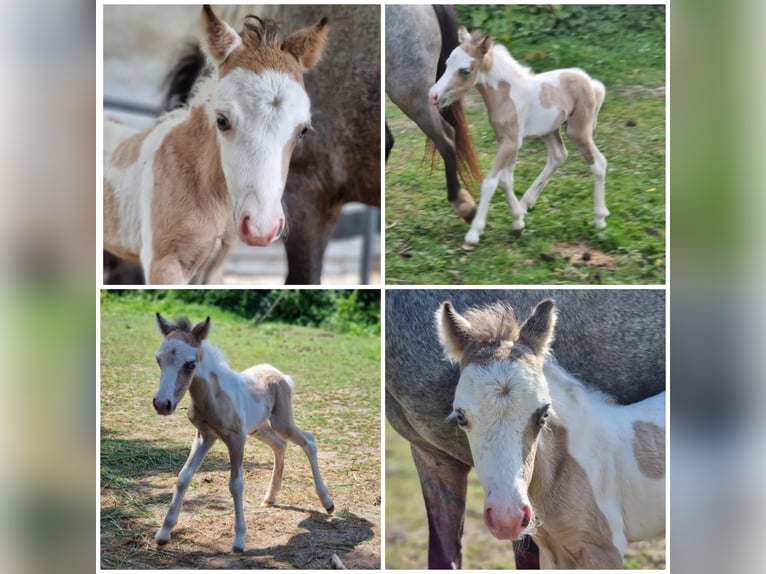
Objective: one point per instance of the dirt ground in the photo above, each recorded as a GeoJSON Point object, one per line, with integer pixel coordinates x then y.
{"type": "Point", "coordinates": [295, 533]}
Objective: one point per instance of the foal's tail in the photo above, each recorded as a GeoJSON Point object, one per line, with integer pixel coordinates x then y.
{"type": "Point", "coordinates": [467, 162]}
{"type": "Point", "coordinates": [600, 92]}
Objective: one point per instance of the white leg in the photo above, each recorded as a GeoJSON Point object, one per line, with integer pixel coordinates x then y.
{"type": "Point", "coordinates": [199, 449]}
{"type": "Point", "coordinates": [488, 187]}
{"type": "Point", "coordinates": [598, 169]}
{"type": "Point", "coordinates": [279, 447]}
{"type": "Point", "coordinates": [236, 446]}
{"type": "Point", "coordinates": [310, 448]}
{"type": "Point", "coordinates": [557, 155]}
{"type": "Point", "coordinates": [516, 208]}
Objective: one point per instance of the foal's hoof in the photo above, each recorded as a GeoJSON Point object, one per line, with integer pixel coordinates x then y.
{"type": "Point", "coordinates": [161, 542]}
{"type": "Point", "coordinates": [238, 549]}
{"type": "Point", "coordinates": [469, 246]}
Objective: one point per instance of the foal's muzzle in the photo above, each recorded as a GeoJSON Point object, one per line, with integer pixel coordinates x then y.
{"type": "Point", "coordinates": [162, 407]}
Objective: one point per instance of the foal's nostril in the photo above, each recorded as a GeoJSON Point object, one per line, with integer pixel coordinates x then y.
{"type": "Point", "coordinates": [527, 516]}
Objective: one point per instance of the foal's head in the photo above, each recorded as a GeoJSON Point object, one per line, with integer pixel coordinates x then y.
{"type": "Point", "coordinates": [501, 401]}
{"type": "Point", "coordinates": [177, 357]}
{"type": "Point", "coordinates": [261, 112]}
{"type": "Point", "coordinates": [462, 68]}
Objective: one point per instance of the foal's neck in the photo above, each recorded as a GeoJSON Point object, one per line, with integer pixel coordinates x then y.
{"type": "Point", "coordinates": [504, 68]}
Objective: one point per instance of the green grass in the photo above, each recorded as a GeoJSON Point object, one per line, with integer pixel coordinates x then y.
{"type": "Point", "coordinates": [424, 237]}
{"type": "Point", "coordinates": [337, 398]}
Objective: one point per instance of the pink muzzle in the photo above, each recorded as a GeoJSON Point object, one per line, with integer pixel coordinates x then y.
{"type": "Point", "coordinates": [506, 524]}
{"type": "Point", "coordinates": [250, 235]}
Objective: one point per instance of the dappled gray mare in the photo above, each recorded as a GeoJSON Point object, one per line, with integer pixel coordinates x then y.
{"type": "Point", "coordinates": [339, 161]}
{"type": "Point", "coordinates": [612, 340]}
{"type": "Point", "coordinates": [418, 41]}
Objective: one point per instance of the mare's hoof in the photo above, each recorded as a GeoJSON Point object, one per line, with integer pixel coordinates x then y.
{"type": "Point", "coordinates": [331, 509]}
{"type": "Point", "coordinates": [464, 205]}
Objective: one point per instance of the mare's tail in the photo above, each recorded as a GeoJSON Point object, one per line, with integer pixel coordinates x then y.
{"type": "Point", "coordinates": [467, 163]}
{"type": "Point", "coordinates": [179, 82]}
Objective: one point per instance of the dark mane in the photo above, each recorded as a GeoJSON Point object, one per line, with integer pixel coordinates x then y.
{"type": "Point", "coordinates": [183, 324]}
{"type": "Point", "coordinates": [261, 31]}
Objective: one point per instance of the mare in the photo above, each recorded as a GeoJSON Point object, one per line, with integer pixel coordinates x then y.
{"type": "Point", "coordinates": [521, 104]}
{"type": "Point", "coordinates": [583, 475]}
{"type": "Point", "coordinates": [418, 41]}
{"type": "Point", "coordinates": [177, 195]}
{"type": "Point", "coordinates": [339, 160]}
{"type": "Point", "coordinates": [612, 340]}
{"type": "Point", "coordinates": [229, 406]}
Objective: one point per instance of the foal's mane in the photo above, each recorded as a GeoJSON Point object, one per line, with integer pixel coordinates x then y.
{"type": "Point", "coordinates": [183, 324]}
{"type": "Point", "coordinates": [261, 31]}
{"type": "Point", "coordinates": [493, 322]}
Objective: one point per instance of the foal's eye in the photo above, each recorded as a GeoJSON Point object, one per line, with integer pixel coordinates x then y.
{"type": "Point", "coordinates": [190, 366]}
{"type": "Point", "coordinates": [222, 122]}
{"type": "Point", "coordinates": [303, 132]}
{"type": "Point", "coordinates": [459, 416]}
{"type": "Point", "coordinates": [543, 414]}
{"type": "Point", "coordinates": [465, 71]}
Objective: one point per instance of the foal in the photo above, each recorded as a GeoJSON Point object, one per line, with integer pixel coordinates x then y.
{"type": "Point", "coordinates": [580, 474]}
{"type": "Point", "coordinates": [521, 104]}
{"type": "Point", "coordinates": [228, 406]}
{"type": "Point", "coordinates": [177, 195]}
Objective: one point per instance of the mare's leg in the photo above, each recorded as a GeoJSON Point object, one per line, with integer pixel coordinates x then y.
{"type": "Point", "coordinates": [557, 155]}
{"type": "Point", "coordinates": [430, 121]}
{"type": "Point", "coordinates": [199, 449]}
{"type": "Point", "coordinates": [389, 141]}
{"type": "Point", "coordinates": [505, 159]}
{"type": "Point", "coordinates": [444, 481]}
{"type": "Point", "coordinates": [580, 129]}
{"type": "Point", "coordinates": [265, 434]}
{"type": "Point", "coordinates": [236, 445]}
{"type": "Point", "coordinates": [527, 554]}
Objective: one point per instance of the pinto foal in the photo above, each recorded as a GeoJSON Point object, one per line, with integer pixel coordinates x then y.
{"type": "Point", "coordinates": [582, 475]}
{"type": "Point", "coordinates": [229, 406]}
{"type": "Point", "coordinates": [522, 104]}
{"type": "Point", "coordinates": [176, 196]}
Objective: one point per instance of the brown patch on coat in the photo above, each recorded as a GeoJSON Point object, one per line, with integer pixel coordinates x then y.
{"type": "Point", "coordinates": [504, 120]}
{"type": "Point", "coordinates": [581, 119]}
{"type": "Point", "coordinates": [571, 524]}
{"type": "Point", "coordinates": [129, 150]}
{"type": "Point", "coordinates": [554, 97]}
{"type": "Point", "coordinates": [211, 408]}
{"type": "Point", "coordinates": [113, 223]}
{"type": "Point", "coordinates": [190, 198]}
{"type": "Point", "coordinates": [649, 449]}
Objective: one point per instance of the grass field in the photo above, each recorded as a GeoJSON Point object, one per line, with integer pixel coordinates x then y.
{"type": "Point", "coordinates": [337, 398]}
{"type": "Point", "coordinates": [559, 245]}
{"type": "Point", "coordinates": [407, 528]}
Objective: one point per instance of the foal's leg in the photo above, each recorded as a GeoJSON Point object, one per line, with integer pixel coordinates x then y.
{"type": "Point", "coordinates": [265, 434]}
{"type": "Point", "coordinates": [506, 157]}
{"type": "Point", "coordinates": [557, 155]}
{"type": "Point", "coordinates": [444, 481]}
{"type": "Point", "coordinates": [580, 129]}
{"type": "Point", "coordinates": [199, 449]}
{"type": "Point", "coordinates": [305, 440]}
{"type": "Point", "coordinates": [236, 445]}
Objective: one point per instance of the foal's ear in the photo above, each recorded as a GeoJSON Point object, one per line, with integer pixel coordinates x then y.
{"type": "Point", "coordinates": [307, 44]}
{"type": "Point", "coordinates": [462, 35]}
{"type": "Point", "coordinates": [485, 45]}
{"type": "Point", "coordinates": [165, 326]}
{"type": "Point", "coordinates": [201, 330]}
{"type": "Point", "coordinates": [454, 331]}
{"type": "Point", "coordinates": [537, 332]}
{"type": "Point", "coordinates": [220, 38]}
